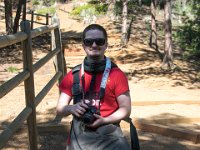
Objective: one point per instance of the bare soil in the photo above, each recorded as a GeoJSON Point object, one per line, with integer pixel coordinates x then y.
{"type": "Point", "coordinates": [148, 83]}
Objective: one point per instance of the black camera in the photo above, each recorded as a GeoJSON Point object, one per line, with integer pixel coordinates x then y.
{"type": "Point", "coordinates": [88, 117]}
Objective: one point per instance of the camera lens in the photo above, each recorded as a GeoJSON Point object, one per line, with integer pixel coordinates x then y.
{"type": "Point", "coordinates": [88, 118]}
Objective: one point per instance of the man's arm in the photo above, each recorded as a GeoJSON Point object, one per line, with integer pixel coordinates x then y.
{"type": "Point", "coordinates": [121, 113]}
{"type": "Point", "coordinates": [63, 108]}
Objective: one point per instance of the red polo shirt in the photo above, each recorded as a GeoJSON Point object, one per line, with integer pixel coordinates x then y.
{"type": "Point", "coordinates": [117, 84]}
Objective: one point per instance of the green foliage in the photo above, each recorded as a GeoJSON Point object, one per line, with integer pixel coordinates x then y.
{"type": "Point", "coordinates": [44, 2]}
{"type": "Point", "coordinates": [77, 10]}
{"type": "Point", "coordinates": [186, 10]}
{"type": "Point", "coordinates": [50, 10]}
{"type": "Point", "coordinates": [49, 2]}
{"type": "Point", "coordinates": [94, 2]}
{"type": "Point", "coordinates": [160, 3]}
{"type": "Point", "coordinates": [147, 2]}
{"type": "Point", "coordinates": [12, 69]}
{"type": "Point", "coordinates": [35, 2]}
{"type": "Point", "coordinates": [101, 8]}
{"type": "Point", "coordinates": [148, 26]}
{"type": "Point", "coordinates": [118, 8]}
{"type": "Point", "coordinates": [95, 9]}
{"type": "Point", "coordinates": [188, 35]}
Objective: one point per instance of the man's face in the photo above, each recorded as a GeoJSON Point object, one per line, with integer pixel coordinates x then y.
{"type": "Point", "coordinates": [95, 44]}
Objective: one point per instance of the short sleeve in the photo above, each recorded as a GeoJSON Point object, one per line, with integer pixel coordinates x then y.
{"type": "Point", "coordinates": [120, 82]}
{"type": "Point", "coordinates": [66, 84]}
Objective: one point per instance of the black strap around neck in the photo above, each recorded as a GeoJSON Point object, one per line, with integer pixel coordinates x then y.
{"type": "Point", "coordinates": [77, 91]}
{"type": "Point", "coordinates": [96, 67]}
{"type": "Point", "coordinates": [92, 83]}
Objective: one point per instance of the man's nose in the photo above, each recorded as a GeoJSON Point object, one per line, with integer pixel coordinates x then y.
{"type": "Point", "coordinates": [94, 44]}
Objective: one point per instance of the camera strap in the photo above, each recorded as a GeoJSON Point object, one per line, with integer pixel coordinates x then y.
{"type": "Point", "coordinates": [105, 78]}
{"type": "Point", "coordinates": [92, 83]}
{"type": "Point", "coordinates": [79, 79]}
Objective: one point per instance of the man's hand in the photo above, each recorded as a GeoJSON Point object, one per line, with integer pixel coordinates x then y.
{"type": "Point", "coordinates": [98, 121]}
{"type": "Point", "coordinates": [78, 109]}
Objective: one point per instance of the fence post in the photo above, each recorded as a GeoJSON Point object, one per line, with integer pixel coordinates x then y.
{"type": "Point", "coordinates": [47, 19]}
{"type": "Point", "coordinates": [32, 18]}
{"type": "Point", "coordinates": [47, 23]}
{"type": "Point", "coordinates": [29, 85]}
{"type": "Point", "coordinates": [56, 43]}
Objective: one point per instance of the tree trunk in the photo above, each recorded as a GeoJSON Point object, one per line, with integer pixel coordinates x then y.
{"type": "Point", "coordinates": [15, 3]}
{"type": "Point", "coordinates": [24, 10]}
{"type": "Point", "coordinates": [153, 36]}
{"type": "Point", "coordinates": [8, 16]}
{"type": "Point", "coordinates": [111, 9]}
{"type": "Point", "coordinates": [124, 37]}
{"type": "Point", "coordinates": [17, 17]}
{"type": "Point", "coordinates": [168, 52]}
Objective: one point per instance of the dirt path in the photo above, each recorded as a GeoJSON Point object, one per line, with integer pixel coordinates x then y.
{"type": "Point", "coordinates": [146, 80]}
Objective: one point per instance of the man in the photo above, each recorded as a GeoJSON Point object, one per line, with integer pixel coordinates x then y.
{"type": "Point", "coordinates": [104, 100]}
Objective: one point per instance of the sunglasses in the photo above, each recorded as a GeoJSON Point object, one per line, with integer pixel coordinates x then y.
{"type": "Point", "coordinates": [98, 41]}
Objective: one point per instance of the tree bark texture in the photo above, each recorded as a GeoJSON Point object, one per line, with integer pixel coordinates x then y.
{"type": "Point", "coordinates": [8, 16]}
{"type": "Point", "coordinates": [168, 52]}
{"type": "Point", "coordinates": [153, 36]}
{"type": "Point", "coordinates": [124, 37]}
{"type": "Point", "coordinates": [24, 10]}
{"type": "Point", "coordinates": [111, 8]}
{"type": "Point", "coordinates": [17, 17]}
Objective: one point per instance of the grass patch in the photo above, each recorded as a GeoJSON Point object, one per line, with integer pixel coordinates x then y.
{"type": "Point", "coordinates": [12, 69]}
{"type": "Point", "coordinates": [46, 10]}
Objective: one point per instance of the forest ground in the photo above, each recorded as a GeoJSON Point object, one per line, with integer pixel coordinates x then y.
{"type": "Point", "coordinates": [148, 83]}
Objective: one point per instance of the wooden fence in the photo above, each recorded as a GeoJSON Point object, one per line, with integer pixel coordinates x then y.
{"type": "Point", "coordinates": [33, 14]}
{"type": "Point", "coordinates": [29, 111]}
{"type": "Point", "coordinates": [33, 18]}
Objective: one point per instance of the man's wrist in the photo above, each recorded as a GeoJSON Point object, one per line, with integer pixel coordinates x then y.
{"type": "Point", "coordinates": [68, 110]}
{"type": "Point", "coordinates": [106, 120]}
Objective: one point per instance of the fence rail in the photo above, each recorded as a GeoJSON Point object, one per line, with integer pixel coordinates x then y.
{"type": "Point", "coordinates": [12, 83]}
{"type": "Point", "coordinates": [33, 14]}
{"type": "Point", "coordinates": [26, 76]}
{"type": "Point", "coordinates": [33, 17]}
{"type": "Point", "coordinates": [8, 40]}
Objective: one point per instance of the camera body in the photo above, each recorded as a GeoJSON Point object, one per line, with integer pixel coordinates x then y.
{"type": "Point", "coordinates": [88, 117]}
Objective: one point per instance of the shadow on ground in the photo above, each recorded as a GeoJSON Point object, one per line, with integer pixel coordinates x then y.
{"type": "Point", "coordinates": [145, 65]}
{"type": "Point", "coordinates": [52, 141]}
{"type": "Point", "coordinates": [13, 54]}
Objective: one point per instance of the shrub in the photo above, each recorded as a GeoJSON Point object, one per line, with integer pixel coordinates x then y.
{"type": "Point", "coordinates": [44, 2]}
{"type": "Point", "coordinates": [188, 35]}
{"type": "Point", "coordinates": [49, 10]}
{"type": "Point", "coordinates": [96, 9]}
{"type": "Point", "coordinates": [35, 2]}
